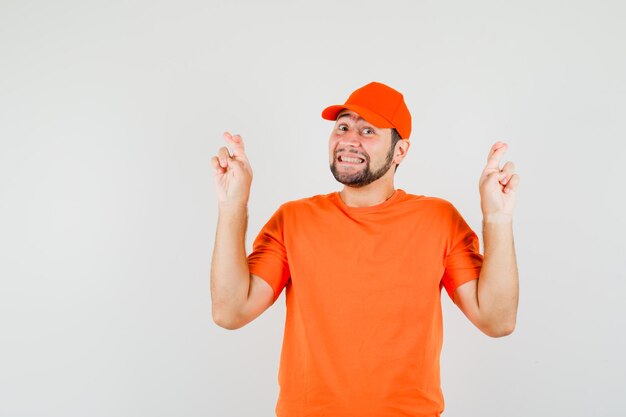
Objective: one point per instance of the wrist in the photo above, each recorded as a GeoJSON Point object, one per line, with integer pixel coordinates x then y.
{"type": "Point", "coordinates": [232, 205]}
{"type": "Point", "coordinates": [498, 218]}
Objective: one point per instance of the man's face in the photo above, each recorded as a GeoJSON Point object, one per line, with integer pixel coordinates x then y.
{"type": "Point", "coordinates": [359, 152]}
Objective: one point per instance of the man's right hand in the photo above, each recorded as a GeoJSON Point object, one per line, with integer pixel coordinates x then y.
{"type": "Point", "coordinates": [233, 174]}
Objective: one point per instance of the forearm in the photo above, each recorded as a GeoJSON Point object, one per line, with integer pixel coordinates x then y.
{"type": "Point", "coordinates": [230, 276]}
{"type": "Point", "coordinates": [498, 287]}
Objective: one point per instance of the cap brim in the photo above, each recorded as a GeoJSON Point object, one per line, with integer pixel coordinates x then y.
{"type": "Point", "coordinates": [331, 113]}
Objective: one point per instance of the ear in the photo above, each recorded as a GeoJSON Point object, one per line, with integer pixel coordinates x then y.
{"type": "Point", "coordinates": [402, 148]}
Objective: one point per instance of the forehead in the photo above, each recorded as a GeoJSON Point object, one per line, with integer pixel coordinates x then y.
{"type": "Point", "coordinates": [352, 115]}
{"type": "Point", "coordinates": [356, 118]}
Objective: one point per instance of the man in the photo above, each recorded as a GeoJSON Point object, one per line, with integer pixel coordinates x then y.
{"type": "Point", "coordinates": [363, 268]}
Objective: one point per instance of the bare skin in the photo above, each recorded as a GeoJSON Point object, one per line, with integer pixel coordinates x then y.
{"type": "Point", "coordinates": [490, 302]}
{"type": "Point", "coordinates": [353, 136]}
{"type": "Point", "coordinates": [237, 296]}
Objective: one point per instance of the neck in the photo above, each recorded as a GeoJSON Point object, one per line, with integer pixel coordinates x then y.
{"type": "Point", "coordinates": [367, 196]}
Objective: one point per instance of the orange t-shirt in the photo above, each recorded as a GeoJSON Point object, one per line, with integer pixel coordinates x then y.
{"type": "Point", "coordinates": [363, 331]}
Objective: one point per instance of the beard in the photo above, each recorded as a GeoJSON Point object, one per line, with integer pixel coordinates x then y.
{"type": "Point", "coordinates": [365, 176]}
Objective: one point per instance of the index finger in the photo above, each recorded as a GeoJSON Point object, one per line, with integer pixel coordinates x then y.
{"type": "Point", "coordinates": [236, 143]}
{"type": "Point", "coordinates": [495, 155]}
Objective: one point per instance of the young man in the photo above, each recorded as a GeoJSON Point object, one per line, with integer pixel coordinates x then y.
{"type": "Point", "coordinates": [363, 268]}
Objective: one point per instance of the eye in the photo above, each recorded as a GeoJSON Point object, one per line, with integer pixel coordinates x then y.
{"type": "Point", "coordinates": [368, 131]}
{"type": "Point", "coordinates": [342, 127]}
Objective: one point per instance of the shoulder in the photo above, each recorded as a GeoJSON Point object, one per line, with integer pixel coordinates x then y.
{"type": "Point", "coordinates": [437, 211]}
{"type": "Point", "coordinates": [312, 202]}
{"type": "Point", "coordinates": [436, 204]}
{"type": "Point", "coordinates": [304, 211]}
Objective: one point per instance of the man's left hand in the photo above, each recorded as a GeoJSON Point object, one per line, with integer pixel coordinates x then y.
{"type": "Point", "coordinates": [498, 186]}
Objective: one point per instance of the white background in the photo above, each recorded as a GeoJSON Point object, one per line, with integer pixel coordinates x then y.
{"type": "Point", "coordinates": [110, 112]}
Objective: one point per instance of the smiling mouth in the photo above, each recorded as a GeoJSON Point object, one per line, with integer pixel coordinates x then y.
{"type": "Point", "coordinates": [350, 159]}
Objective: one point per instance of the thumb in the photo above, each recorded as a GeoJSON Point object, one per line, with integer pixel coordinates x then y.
{"type": "Point", "coordinates": [235, 165]}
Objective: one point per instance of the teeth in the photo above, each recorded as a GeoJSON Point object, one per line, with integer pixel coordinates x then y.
{"type": "Point", "coordinates": [348, 159]}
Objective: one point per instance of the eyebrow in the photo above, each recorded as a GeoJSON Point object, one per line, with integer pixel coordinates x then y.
{"type": "Point", "coordinates": [350, 116]}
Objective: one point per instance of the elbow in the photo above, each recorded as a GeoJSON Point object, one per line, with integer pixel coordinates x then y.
{"type": "Point", "coordinates": [500, 333]}
{"type": "Point", "coordinates": [226, 322]}
{"type": "Point", "coordinates": [500, 329]}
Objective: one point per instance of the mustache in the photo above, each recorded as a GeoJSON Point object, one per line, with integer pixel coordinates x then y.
{"type": "Point", "coordinates": [362, 155]}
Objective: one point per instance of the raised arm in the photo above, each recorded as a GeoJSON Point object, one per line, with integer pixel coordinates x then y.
{"type": "Point", "coordinates": [491, 301]}
{"type": "Point", "coordinates": [237, 297]}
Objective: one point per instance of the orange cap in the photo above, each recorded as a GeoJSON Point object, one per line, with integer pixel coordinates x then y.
{"type": "Point", "coordinates": [379, 104]}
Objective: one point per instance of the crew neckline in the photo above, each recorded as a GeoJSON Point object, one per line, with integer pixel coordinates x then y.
{"type": "Point", "coordinates": [395, 196]}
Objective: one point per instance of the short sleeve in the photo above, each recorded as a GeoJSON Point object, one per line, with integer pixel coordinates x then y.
{"type": "Point", "coordinates": [268, 258]}
{"type": "Point", "coordinates": [463, 260]}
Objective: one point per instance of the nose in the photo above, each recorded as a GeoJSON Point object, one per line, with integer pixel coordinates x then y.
{"type": "Point", "coordinates": [350, 138]}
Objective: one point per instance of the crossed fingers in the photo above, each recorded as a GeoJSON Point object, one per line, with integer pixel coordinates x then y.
{"type": "Point", "coordinates": [506, 176]}
{"type": "Point", "coordinates": [224, 159]}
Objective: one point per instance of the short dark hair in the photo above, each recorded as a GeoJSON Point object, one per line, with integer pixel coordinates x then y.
{"type": "Point", "coordinates": [395, 137]}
